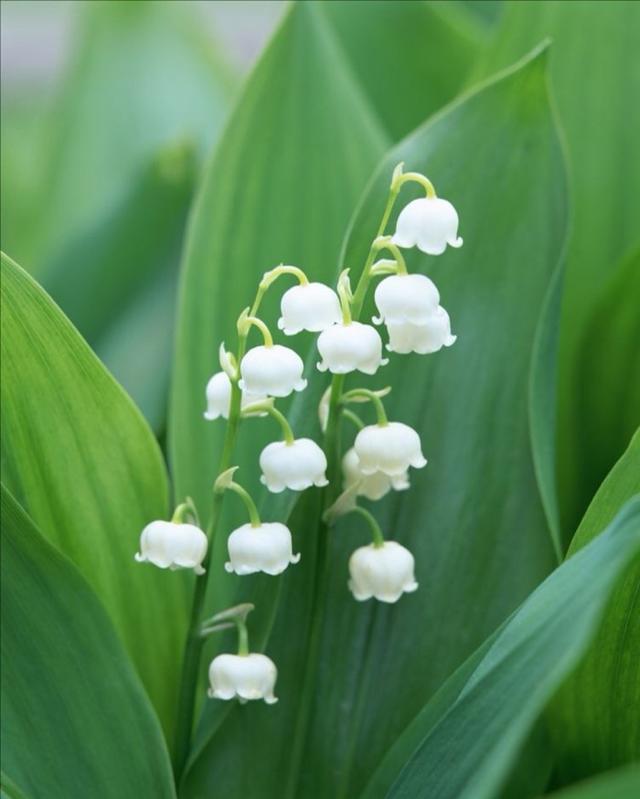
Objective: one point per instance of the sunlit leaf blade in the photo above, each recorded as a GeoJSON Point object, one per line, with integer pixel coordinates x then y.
{"type": "Point", "coordinates": [620, 784]}
{"type": "Point", "coordinates": [593, 79]}
{"type": "Point", "coordinates": [284, 179]}
{"type": "Point", "coordinates": [594, 720]}
{"type": "Point", "coordinates": [496, 156]}
{"type": "Point", "coordinates": [75, 718]}
{"type": "Point", "coordinates": [82, 461]}
{"type": "Point", "coordinates": [411, 58]}
{"type": "Point", "coordinates": [467, 754]}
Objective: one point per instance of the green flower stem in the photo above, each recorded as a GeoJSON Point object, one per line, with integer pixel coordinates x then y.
{"type": "Point", "coordinates": [184, 511]}
{"type": "Point", "coordinates": [271, 276]}
{"type": "Point", "coordinates": [376, 532]}
{"type": "Point", "coordinates": [345, 296]}
{"type": "Point", "coordinates": [254, 516]}
{"type": "Point", "coordinates": [370, 395]}
{"type": "Point", "coordinates": [385, 243]}
{"type": "Point", "coordinates": [262, 327]}
{"type": "Point", "coordinates": [243, 637]}
{"type": "Point", "coordinates": [353, 417]}
{"type": "Point", "coordinates": [267, 406]}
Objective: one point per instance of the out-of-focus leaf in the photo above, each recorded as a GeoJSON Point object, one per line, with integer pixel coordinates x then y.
{"type": "Point", "coordinates": [606, 403]}
{"type": "Point", "coordinates": [82, 461]}
{"type": "Point", "coordinates": [488, 11]}
{"type": "Point", "coordinates": [594, 720]}
{"type": "Point", "coordinates": [144, 74]}
{"type": "Point", "coordinates": [595, 74]}
{"type": "Point", "coordinates": [411, 58]}
{"type": "Point", "coordinates": [467, 753]}
{"type": "Point", "coordinates": [117, 281]}
{"type": "Point", "coordinates": [468, 511]}
{"type": "Point", "coordinates": [75, 718]}
{"type": "Point", "coordinates": [620, 784]}
{"type": "Point", "coordinates": [285, 177]}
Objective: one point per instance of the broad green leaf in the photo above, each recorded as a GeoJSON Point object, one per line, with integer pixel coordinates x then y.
{"type": "Point", "coordinates": [411, 58]}
{"type": "Point", "coordinates": [594, 76]}
{"type": "Point", "coordinates": [81, 460]}
{"type": "Point", "coordinates": [594, 720]}
{"type": "Point", "coordinates": [358, 674]}
{"type": "Point", "coordinates": [284, 179]}
{"type": "Point", "coordinates": [619, 784]}
{"type": "Point", "coordinates": [75, 718]}
{"type": "Point", "coordinates": [467, 754]}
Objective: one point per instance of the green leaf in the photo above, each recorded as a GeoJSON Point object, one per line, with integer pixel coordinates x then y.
{"type": "Point", "coordinates": [284, 179]}
{"type": "Point", "coordinates": [75, 718]}
{"type": "Point", "coordinates": [349, 685]}
{"type": "Point", "coordinates": [85, 466]}
{"type": "Point", "coordinates": [593, 46]}
{"type": "Point", "coordinates": [620, 784]}
{"type": "Point", "coordinates": [594, 720]}
{"type": "Point", "coordinates": [410, 58]}
{"type": "Point", "coordinates": [467, 754]}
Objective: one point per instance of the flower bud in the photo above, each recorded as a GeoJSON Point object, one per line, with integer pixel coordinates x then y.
{"type": "Point", "coordinates": [248, 677]}
{"type": "Point", "coordinates": [427, 337]}
{"type": "Point", "coordinates": [347, 347]}
{"type": "Point", "coordinates": [218, 394]}
{"type": "Point", "coordinates": [428, 223]}
{"type": "Point", "coordinates": [266, 548]}
{"type": "Point", "coordinates": [383, 572]}
{"type": "Point", "coordinates": [310, 306]}
{"type": "Point", "coordinates": [275, 371]}
{"type": "Point", "coordinates": [297, 466]}
{"type": "Point", "coordinates": [390, 448]}
{"type": "Point", "coordinates": [372, 486]}
{"type": "Point", "coordinates": [173, 546]}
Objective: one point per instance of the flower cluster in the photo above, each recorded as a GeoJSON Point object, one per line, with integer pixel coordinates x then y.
{"type": "Point", "coordinates": [382, 454]}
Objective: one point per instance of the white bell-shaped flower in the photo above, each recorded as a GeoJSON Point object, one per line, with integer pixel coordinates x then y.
{"type": "Point", "coordinates": [406, 298]}
{"type": "Point", "coordinates": [347, 347]}
{"type": "Point", "coordinates": [218, 393]}
{"type": "Point", "coordinates": [391, 448]}
{"type": "Point", "coordinates": [372, 486]}
{"type": "Point", "coordinates": [275, 371]}
{"type": "Point", "coordinates": [247, 677]}
{"type": "Point", "coordinates": [383, 572]}
{"type": "Point", "coordinates": [266, 548]}
{"type": "Point", "coordinates": [310, 306]}
{"type": "Point", "coordinates": [427, 337]}
{"type": "Point", "coordinates": [428, 223]}
{"type": "Point", "coordinates": [169, 545]}
{"type": "Point", "coordinates": [298, 465]}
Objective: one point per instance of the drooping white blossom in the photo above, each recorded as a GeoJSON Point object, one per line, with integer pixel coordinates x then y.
{"type": "Point", "coordinates": [427, 337]}
{"type": "Point", "coordinates": [390, 448]}
{"type": "Point", "coordinates": [170, 545]}
{"type": "Point", "coordinates": [298, 465]}
{"type": "Point", "coordinates": [311, 306]}
{"type": "Point", "coordinates": [383, 572]}
{"type": "Point", "coordinates": [272, 370]}
{"type": "Point", "coordinates": [429, 223]}
{"type": "Point", "coordinates": [348, 347]}
{"type": "Point", "coordinates": [406, 298]}
{"type": "Point", "coordinates": [247, 677]}
{"type": "Point", "coordinates": [266, 548]}
{"type": "Point", "coordinates": [372, 486]}
{"type": "Point", "coordinates": [218, 394]}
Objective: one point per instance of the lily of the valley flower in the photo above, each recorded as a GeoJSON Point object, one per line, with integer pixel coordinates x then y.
{"type": "Point", "coordinates": [309, 306]}
{"type": "Point", "coordinates": [272, 370]}
{"type": "Point", "coordinates": [372, 486]}
{"type": "Point", "coordinates": [389, 448]}
{"type": "Point", "coordinates": [427, 337]}
{"type": "Point", "coordinates": [406, 298]}
{"type": "Point", "coordinates": [296, 465]}
{"type": "Point", "coordinates": [384, 572]}
{"type": "Point", "coordinates": [218, 393]}
{"type": "Point", "coordinates": [263, 548]}
{"type": "Point", "coordinates": [247, 677]}
{"type": "Point", "coordinates": [169, 545]}
{"type": "Point", "coordinates": [429, 223]}
{"type": "Point", "coordinates": [347, 347]}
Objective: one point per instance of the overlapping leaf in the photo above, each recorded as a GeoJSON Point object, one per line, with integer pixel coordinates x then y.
{"type": "Point", "coordinates": [496, 156]}
{"type": "Point", "coordinates": [82, 461]}
{"type": "Point", "coordinates": [75, 718]}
